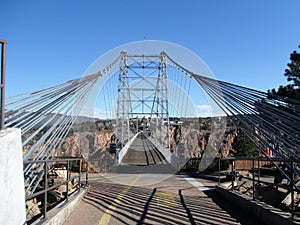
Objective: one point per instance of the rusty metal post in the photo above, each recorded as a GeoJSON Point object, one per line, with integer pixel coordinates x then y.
{"type": "Point", "coordinates": [2, 84]}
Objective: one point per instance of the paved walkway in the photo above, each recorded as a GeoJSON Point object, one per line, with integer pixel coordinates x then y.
{"type": "Point", "coordinates": [154, 199]}
{"type": "Point", "coordinates": [143, 152]}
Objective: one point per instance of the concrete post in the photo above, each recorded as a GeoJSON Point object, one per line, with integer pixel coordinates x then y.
{"type": "Point", "coordinates": [12, 194]}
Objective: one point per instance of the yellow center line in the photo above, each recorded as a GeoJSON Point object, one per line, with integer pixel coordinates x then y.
{"type": "Point", "coordinates": [166, 199]}
{"type": "Point", "coordinates": [108, 212]}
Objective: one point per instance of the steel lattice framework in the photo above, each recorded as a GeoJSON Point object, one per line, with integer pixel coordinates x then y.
{"type": "Point", "coordinates": [124, 109]}
{"type": "Point", "coordinates": [142, 102]}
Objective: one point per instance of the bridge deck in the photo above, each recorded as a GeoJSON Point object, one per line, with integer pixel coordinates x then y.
{"type": "Point", "coordinates": [124, 199]}
{"type": "Point", "coordinates": [143, 157]}
{"type": "Point", "coordinates": [143, 152]}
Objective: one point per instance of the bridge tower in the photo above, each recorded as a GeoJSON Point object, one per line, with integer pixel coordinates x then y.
{"type": "Point", "coordinates": [160, 104]}
{"type": "Point", "coordinates": [123, 102]}
{"type": "Point", "coordinates": [142, 103]}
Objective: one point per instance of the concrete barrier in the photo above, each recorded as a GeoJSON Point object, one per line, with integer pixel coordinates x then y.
{"type": "Point", "coordinates": [12, 194]}
{"type": "Point", "coordinates": [262, 211]}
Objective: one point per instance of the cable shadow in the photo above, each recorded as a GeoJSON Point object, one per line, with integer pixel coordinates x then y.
{"type": "Point", "coordinates": [231, 209]}
{"type": "Point", "coordinates": [146, 207]}
{"type": "Point", "coordinates": [188, 211]}
{"type": "Point", "coordinates": [150, 205]}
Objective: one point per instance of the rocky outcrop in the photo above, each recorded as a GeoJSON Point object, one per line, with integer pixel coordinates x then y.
{"type": "Point", "coordinates": [188, 139]}
{"type": "Point", "coordinates": [226, 147]}
{"type": "Point", "coordinates": [86, 143]}
{"type": "Point", "coordinates": [194, 136]}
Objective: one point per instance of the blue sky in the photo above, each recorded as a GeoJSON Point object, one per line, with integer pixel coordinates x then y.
{"type": "Point", "coordinates": [244, 42]}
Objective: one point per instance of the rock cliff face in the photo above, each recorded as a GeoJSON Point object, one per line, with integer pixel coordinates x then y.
{"type": "Point", "coordinates": [93, 146]}
{"type": "Point", "coordinates": [86, 143]}
{"type": "Point", "coordinates": [188, 139]}
{"type": "Point", "coordinates": [193, 136]}
{"type": "Point", "coordinates": [226, 147]}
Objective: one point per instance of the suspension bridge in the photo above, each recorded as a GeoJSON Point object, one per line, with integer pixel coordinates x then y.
{"type": "Point", "coordinates": [145, 97]}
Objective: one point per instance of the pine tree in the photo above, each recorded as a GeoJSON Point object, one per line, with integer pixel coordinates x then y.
{"type": "Point", "coordinates": [291, 90]}
{"type": "Point", "coordinates": [243, 146]}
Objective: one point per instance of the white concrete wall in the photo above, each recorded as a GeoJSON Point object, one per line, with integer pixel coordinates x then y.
{"type": "Point", "coordinates": [12, 195]}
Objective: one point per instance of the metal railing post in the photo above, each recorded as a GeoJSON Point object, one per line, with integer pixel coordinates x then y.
{"type": "Point", "coordinates": [79, 173]}
{"type": "Point", "coordinates": [86, 173]}
{"type": "Point", "coordinates": [258, 167]}
{"type": "Point", "coordinates": [67, 184]}
{"type": "Point", "coordinates": [232, 174]}
{"type": "Point", "coordinates": [219, 179]}
{"type": "Point", "coordinates": [253, 180]}
{"type": "Point", "coordinates": [2, 84]}
{"type": "Point", "coordinates": [45, 186]}
{"type": "Point", "coordinates": [292, 190]}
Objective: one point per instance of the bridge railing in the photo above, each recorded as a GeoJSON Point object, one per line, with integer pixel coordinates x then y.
{"type": "Point", "coordinates": [260, 175]}
{"type": "Point", "coordinates": [47, 188]}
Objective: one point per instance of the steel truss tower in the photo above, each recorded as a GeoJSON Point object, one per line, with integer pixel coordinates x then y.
{"type": "Point", "coordinates": [160, 105]}
{"type": "Point", "coordinates": [123, 103]}
{"type": "Point", "coordinates": [142, 103]}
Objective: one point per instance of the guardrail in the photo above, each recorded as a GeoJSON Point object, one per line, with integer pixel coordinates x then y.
{"type": "Point", "coordinates": [256, 175]}
{"type": "Point", "coordinates": [47, 188]}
